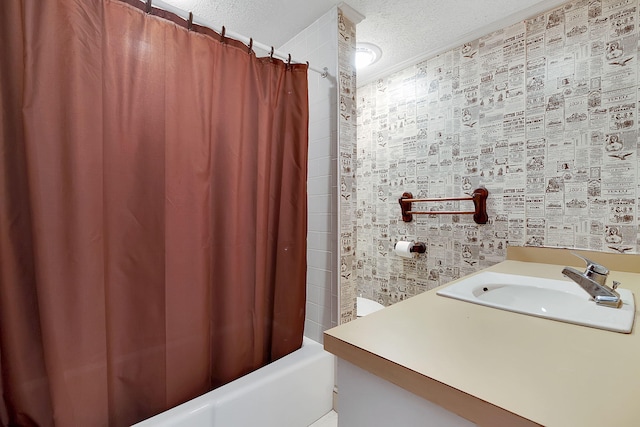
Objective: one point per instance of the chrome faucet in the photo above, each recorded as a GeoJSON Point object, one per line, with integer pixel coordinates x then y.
{"type": "Point", "coordinates": [593, 281]}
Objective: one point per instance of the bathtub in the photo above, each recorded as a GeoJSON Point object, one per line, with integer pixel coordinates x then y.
{"type": "Point", "coordinates": [293, 391]}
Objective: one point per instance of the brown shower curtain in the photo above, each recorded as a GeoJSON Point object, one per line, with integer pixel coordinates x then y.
{"type": "Point", "coordinates": [152, 212]}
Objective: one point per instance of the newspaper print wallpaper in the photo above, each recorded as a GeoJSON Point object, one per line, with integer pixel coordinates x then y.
{"type": "Point", "coordinates": [347, 137]}
{"type": "Point", "coordinates": [544, 114]}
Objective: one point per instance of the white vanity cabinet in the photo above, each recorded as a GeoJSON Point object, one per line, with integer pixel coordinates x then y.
{"type": "Point", "coordinates": [366, 400]}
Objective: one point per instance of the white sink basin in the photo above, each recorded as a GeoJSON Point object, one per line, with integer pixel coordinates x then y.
{"type": "Point", "coordinates": [561, 300]}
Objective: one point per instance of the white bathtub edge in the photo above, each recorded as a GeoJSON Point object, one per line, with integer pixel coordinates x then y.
{"type": "Point", "coordinates": [304, 393]}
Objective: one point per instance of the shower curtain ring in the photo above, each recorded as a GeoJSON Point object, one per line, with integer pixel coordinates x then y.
{"type": "Point", "coordinates": [224, 30]}
{"type": "Point", "coordinates": [250, 45]}
{"type": "Point", "coordinates": [147, 8]}
{"type": "Point", "coordinates": [190, 21]}
{"type": "Point", "coordinates": [271, 54]}
{"type": "Point", "coordinates": [289, 61]}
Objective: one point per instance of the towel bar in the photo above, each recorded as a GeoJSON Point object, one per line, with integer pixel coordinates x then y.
{"type": "Point", "coordinates": [478, 197]}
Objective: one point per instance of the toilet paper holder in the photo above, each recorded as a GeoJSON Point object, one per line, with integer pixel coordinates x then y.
{"type": "Point", "coordinates": [478, 197]}
{"type": "Point", "coordinates": [418, 247]}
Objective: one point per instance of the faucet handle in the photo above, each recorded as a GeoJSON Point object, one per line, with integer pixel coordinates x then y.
{"type": "Point", "coordinates": [593, 266]}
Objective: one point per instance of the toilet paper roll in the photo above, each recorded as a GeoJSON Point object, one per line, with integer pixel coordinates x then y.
{"type": "Point", "coordinates": [403, 249]}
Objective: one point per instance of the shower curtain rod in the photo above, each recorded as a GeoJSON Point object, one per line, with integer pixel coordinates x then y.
{"type": "Point", "coordinates": [244, 39]}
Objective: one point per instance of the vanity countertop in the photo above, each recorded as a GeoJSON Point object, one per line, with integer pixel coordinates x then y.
{"type": "Point", "coordinates": [498, 368]}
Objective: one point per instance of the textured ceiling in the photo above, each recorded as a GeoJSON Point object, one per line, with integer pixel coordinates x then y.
{"type": "Point", "coordinates": [405, 30]}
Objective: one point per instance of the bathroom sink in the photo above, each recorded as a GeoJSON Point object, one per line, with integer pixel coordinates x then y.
{"type": "Point", "coordinates": [561, 300]}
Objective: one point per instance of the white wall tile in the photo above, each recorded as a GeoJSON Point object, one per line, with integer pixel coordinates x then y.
{"type": "Point", "coordinates": [317, 240]}
{"type": "Point", "coordinates": [319, 129]}
{"type": "Point", "coordinates": [322, 260]}
{"type": "Point", "coordinates": [320, 186]}
{"type": "Point", "coordinates": [318, 44]}
{"type": "Point", "coordinates": [313, 330]}
{"type": "Point", "coordinates": [321, 166]}
{"type": "Point", "coordinates": [318, 276]}
{"type": "Point", "coordinates": [320, 204]}
{"type": "Point", "coordinates": [320, 222]}
{"type": "Point", "coordinates": [320, 148]}
{"type": "Point", "coordinates": [313, 312]}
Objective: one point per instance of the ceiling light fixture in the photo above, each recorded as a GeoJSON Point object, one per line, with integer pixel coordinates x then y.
{"type": "Point", "coordinates": [366, 54]}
